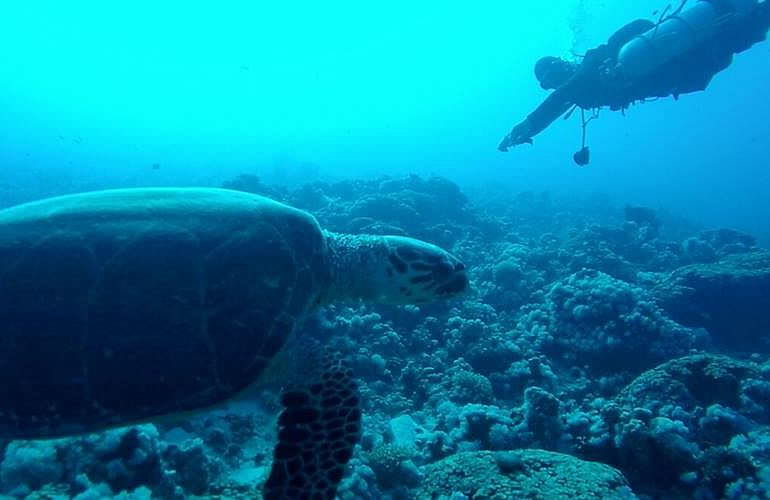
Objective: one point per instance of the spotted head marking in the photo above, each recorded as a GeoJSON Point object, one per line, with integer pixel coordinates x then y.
{"type": "Point", "coordinates": [422, 272]}
{"type": "Point", "coordinates": [391, 270]}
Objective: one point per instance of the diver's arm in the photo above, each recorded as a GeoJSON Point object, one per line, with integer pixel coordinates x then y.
{"type": "Point", "coordinates": [552, 108]}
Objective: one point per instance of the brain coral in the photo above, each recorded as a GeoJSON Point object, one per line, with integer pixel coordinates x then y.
{"type": "Point", "coordinates": [533, 474]}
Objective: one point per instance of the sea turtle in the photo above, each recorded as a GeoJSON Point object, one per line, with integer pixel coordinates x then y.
{"type": "Point", "coordinates": [125, 305]}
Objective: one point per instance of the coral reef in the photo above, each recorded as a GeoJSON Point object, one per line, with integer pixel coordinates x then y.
{"type": "Point", "coordinates": [595, 320]}
{"type": "Point", "coordinates": [671, 429]}
{"type": "Point", "coordinates": [604, 352]}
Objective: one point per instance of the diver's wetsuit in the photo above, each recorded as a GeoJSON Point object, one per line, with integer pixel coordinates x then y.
{"type": "Point", "coordinates": [596, 82]}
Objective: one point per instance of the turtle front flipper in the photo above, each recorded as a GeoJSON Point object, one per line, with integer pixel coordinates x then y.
{"type": "Point", "coordinates": [317, 431]}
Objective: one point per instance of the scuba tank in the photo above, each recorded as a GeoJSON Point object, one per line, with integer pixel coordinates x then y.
{"type": "Point", "coordinates": [676, 35]}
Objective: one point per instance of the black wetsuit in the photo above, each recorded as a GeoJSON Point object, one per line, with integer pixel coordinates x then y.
{"type": "Point", "coordinates": [596, 84]}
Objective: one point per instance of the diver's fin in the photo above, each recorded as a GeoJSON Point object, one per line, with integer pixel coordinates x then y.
{"type": "Point", "coordinates": [317, 430]}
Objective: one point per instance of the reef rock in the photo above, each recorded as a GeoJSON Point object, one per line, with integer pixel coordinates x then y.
{"type": "Point", "coordinates": [698, 381]}
{"type": "Point", "coordinates": [677, 420]}
{"type": "Point", "coordinates": [730, 298]}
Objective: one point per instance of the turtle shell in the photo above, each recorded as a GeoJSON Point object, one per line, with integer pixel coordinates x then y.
{"type": "Point", "coordinates": [122, 306]}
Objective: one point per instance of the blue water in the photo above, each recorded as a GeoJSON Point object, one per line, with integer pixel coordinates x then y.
{"type": "Point", "coordinates": [96, 96]}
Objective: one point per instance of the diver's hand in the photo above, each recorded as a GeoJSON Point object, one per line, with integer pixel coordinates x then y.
{"type": "Point", "coordinates": [521, 134]}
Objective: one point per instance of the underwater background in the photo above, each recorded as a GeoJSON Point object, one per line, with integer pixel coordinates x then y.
{"type": "Point", "coordinates": [615, 341]}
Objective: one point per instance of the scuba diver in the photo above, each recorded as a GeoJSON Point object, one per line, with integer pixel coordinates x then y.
{"type": "Point", "coordinates": [679, 54]}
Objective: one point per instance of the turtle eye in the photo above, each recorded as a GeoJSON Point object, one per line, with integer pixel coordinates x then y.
{"type": "Point", "coordinates": [443, 269]}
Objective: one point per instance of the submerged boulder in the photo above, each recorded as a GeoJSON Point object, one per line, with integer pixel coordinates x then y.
{"type": "Point", "coordinates": [730, 298]}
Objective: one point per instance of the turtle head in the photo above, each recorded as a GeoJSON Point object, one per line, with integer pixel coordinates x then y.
{"type": "Point", "coordinates": [417, 272]}
{"type": "Point", "coordinates": [393, 270]}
